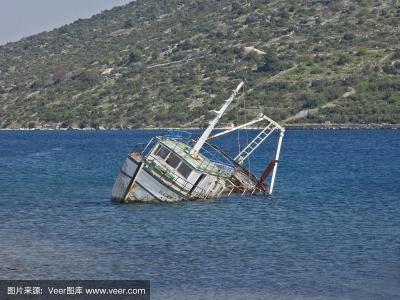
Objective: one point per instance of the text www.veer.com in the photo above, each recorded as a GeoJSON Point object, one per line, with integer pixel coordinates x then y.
{"type": "Point", "coordinates": [115, 291]}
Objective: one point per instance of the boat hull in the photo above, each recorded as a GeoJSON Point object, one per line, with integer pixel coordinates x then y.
{"type": "Point", "coordinates": [135, 183]}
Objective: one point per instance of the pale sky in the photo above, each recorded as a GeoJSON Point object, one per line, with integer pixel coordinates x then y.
{"type": "Point", "coordinates": [22, 18]}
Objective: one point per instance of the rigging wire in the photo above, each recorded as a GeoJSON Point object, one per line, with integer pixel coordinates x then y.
{"type": "Point", "coordinates": [238, 131]}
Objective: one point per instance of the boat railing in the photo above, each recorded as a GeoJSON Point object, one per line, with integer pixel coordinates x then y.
{"type": "Point", "coordinates": [145, 148]}
{"type": "Point", "coordinates": [214, 167]}
{"type": "Point", "coordinates": [204, 165]}
{"type": "Point", "coordinates": [179, 135]}
{"type": "Point", "coordinates": [211, 164]}
{"type": "Point", "coordinates": [139, 147]}
{"type": "Point", "coordinates": [222, 166]}
{"type": "Point", "coordinates": [171, 176]}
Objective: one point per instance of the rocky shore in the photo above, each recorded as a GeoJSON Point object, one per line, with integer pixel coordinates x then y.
{"type": "Point", "coordinates": [287, 126]}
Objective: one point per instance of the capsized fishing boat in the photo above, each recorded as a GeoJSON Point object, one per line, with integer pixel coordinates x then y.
{"type": "Point", "coordinates": [174, 167]}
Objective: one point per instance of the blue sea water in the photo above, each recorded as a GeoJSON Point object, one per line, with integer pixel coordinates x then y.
{"type": "Point", "coordinates": [330, 231]}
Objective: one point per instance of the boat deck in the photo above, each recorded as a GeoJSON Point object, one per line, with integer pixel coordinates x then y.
{"type": "Point", "coordinates": [203, 164]}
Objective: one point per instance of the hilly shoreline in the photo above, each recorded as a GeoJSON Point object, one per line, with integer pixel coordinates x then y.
{"type": "Point", "coordinates": [152, 64]}
{"type": "Point", "coordinates": [287, 127]}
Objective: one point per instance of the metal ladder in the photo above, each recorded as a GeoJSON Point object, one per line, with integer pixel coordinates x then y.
{"type": "Point", "coordinates": [253, 145]}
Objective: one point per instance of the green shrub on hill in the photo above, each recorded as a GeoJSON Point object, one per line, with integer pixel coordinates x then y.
{"type": "Point", "coordinates": [170, 63]}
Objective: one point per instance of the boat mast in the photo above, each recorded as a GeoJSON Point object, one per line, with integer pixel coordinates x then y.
{"type": "Point", "coordinates": [200, 142]}
{"type": "Point", "coordinates": [278, 151]}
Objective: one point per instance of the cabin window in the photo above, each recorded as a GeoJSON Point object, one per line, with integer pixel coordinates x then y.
{"type": "Point", "coordinates": [173, 160]}
{"type": "Point", "coordinates": [184, 169]}
{"type": "Point", "coordinates": [157, 149]}
{"type": "Point", "coordinates": [162, 152]}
